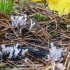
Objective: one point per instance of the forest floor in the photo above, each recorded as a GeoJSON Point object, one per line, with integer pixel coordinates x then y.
{"type": "Point", "coordinates": [42, 34]}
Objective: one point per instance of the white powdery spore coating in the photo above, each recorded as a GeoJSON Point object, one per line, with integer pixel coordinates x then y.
{"type": "Point", "coordinates": [24, 51]}
{"type": "Point", "coordinates": [16, 51]}
{"type": "Point", "coordinates": [14, 21]}
{"type": "Point", "coordinates": [56, 53]}
{"type": "Point", "coordinates": [18, 21]}
{"type": "Point", "coordinates": [3, 46]}
{"type": "Point", "coordinates": [8, 50]}
{"type": "Point", "coordinates": [11, 52]}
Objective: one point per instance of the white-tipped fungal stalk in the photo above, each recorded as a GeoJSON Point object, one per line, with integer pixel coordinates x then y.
{"type": "Point", "coordinates": [32, 24]}
{"type": "Point", "coordinates": [12, 52]}
{"type": "Point", "coordinates": [18, 21]}
{"type": "Point", "coordinates": [56, 53]}
{"type": "Point", "coordinates": [14, 21]}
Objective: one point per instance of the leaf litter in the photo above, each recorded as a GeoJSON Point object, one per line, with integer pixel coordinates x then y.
{"type": "Point", "coordinates": [30, 44]}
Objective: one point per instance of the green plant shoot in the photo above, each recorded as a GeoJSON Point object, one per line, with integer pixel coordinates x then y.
{"type": "Point", "coordinates": [6, 6]}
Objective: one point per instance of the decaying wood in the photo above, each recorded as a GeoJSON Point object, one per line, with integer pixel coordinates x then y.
{"type": "Point", "coordinates": [27, 54]}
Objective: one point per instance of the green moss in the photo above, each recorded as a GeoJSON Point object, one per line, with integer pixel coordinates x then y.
{"type": "Point", "coordinates": [40, 17]}
{"type": "Point", "coordinates": [26, 2]}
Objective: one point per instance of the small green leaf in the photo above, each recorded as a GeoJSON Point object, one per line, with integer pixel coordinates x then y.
{"type": "Point", "coordinates": [54, 34]}
{"type": "Point", "coordinates": [68, 25]}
